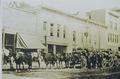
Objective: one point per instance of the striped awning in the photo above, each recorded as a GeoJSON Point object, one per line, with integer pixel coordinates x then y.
{"type": "Point", "coordinates": [29, 42]}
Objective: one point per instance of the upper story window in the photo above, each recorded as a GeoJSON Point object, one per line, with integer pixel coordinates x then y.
{"type": "Point", "coordinates": [51, 29]}
{"type": "Point", "coordinates": [110, 37]}
{"type": "Point", "coordinates": [89, 17]}
{"type": "Point", "coordinates": [82, 39]}
{"type": "Point", "coordinates": [64, 32]}
{"type": "Point", "coordinates": [113, 38]}
{"type": "Point", "coordinates": [74, 36]}
{"type": "Point", "coordinates": [51, 24]}
{"type": "Point", "coordinates": [117, 39]}
{"type": "Point", "coordinates": [44, 25]}
{"type": "Point", "coordinates": [58, 30]}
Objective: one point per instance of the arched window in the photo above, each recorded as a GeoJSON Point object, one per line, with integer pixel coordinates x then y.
{"type": "Point", "coordinates": [51, 29]}
{"type": "Point", "coordinates": [64, 32]}
{"type": "Point", "coordinates": [58, 30]}
{"type": "Point", "coordinates": [117, 38]}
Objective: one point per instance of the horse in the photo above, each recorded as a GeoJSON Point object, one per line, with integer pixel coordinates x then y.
{"type": "Point", "coordinates": [36, 58]}
{"type": "Point", "coordinates": [7, 57]}
{"type": "Point", "coordinates": [19, 57]}
{"type": "Point", "coordinates": [50, 59]}
{"type": "Point", "coordinates": [23, 58]}
{"type": "Point", "coordinates": [28, 59]}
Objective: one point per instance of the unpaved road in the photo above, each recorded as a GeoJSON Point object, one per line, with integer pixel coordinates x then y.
{"type": "Point", "coordinates": [59, 74]}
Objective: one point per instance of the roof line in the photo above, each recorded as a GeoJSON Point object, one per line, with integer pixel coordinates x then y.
{"type": "Point", "coordinates": [60, 12]}
{"type": "Point", "coordinates": [27, 11]}
{"type": "Point", "coordinates": [72, 16]}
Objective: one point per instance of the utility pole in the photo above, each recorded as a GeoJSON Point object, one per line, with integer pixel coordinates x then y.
{"type": "Point", "coordinates": [45, 35]}
{"type": "Point", "coordinates": [86, 35]}
{"type": "Point", "coordinates": [3, 38]}
{"type": "Point", "coordinates": [99, 37]}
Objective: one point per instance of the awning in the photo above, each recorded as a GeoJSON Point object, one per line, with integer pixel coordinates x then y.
{"type": "Point", "coordinates": [29, 42]}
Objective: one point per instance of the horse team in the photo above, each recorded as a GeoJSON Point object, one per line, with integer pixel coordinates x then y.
{"type": "Point", "coordinates": [80, 58]}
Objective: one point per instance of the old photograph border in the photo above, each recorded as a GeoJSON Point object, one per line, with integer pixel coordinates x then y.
{"type": "Point", "coordinates": [60, 40]}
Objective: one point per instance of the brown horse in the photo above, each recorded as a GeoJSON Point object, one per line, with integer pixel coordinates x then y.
{"type": "Point", "coordinates": [22, 59]}
{"type": "Point", "coordinates": [50, 59]}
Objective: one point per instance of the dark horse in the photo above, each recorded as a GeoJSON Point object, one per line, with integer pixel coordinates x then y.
{"type": "Point", "coordinates": [22, 58]}
{"type": "Point", "coordinates": [49, 59]}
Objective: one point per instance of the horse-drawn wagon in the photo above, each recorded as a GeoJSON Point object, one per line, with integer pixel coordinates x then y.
{"type": "Point", "coordinates": [110, 59]}
{"type": "Point", "coordinates": [78, 59]}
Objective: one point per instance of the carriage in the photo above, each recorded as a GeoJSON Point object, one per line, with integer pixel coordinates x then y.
{"type": "Point", "coordinates": [110, 59]}
{"type": "Point", "coordinates": [78, 59]}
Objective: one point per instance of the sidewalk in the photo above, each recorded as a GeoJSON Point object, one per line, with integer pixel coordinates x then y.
{"type": "Point", "coordinates": [9, 76]}
{"type": "Point", "coordinates": [34, 65]}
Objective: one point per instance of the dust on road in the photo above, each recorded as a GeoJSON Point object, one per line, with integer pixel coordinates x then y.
{"type": "Point", "coordinates": [57, 74]}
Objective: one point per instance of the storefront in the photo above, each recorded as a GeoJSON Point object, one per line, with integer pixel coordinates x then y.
{"type": "Point", "coordinates": [56, 48]}
{"type": "Point", "coordinates": [21, 41]}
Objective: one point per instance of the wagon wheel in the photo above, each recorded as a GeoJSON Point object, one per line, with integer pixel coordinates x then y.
{"type": "Point", "coordinates": [104, 63]}
{"type": "Point", "coordinates": [83, 63]}
{"type": "Point", "coordinates": [111, 63]}
{"type": "Point", "coordinates": [116, 62]}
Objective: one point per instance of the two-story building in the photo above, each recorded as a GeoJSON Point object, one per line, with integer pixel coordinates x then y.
{"type": "Point", "coordinates": [56, 30]}
{"type": "Point", "coordinates": [111, 19]}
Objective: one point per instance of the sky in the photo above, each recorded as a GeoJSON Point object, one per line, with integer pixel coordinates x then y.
{"type": "Point", "coordinates": [75, 5]}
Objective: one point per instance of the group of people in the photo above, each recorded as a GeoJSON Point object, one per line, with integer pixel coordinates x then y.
{"type": "Point", "coordinates": [101, 58]}
{"type": "Point", "coordinates": [90, 59]}
{"type": "Point", "coordinates": [18, 57]}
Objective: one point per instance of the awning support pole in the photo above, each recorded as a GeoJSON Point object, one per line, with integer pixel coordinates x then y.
{"type": "Point", "coordinates": [3, 38]}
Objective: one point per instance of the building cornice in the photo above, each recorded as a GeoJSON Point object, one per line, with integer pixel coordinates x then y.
{"type": "Point", "coordinates": [36, 11]}
{"type": "Point", "coordinates": [73, 16]}
{"type": "Point", "coordinates": [20, 9]}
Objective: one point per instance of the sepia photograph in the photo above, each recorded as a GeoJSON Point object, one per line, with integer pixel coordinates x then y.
{"type": "Point", "coordinates": [60, 39]}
